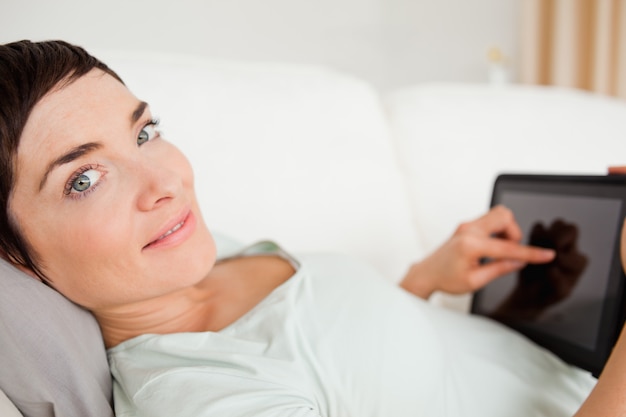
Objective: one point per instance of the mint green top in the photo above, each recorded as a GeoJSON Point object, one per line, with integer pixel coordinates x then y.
{"type": "Point", "coordinates": [337, 340]}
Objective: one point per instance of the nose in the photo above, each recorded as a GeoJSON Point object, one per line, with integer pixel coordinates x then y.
{"type": "Point", "coordinates": [157, 186]}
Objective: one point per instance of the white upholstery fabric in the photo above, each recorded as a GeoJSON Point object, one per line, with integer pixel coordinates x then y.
{"type": "Point", "coordinates": [454, 139]}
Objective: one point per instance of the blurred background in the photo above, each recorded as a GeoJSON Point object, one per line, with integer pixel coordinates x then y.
{"type": "Point", "coordinates": [388, 42]}
{"type": "Point", "coordinates": [391, 43]}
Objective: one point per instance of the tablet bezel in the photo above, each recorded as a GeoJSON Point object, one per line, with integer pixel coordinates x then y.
{"type": "Point", "coordinates": [612, 316]}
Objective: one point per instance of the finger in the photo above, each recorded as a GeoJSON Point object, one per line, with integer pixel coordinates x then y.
{"type": "Point", "coordinates": [500, 221]}
{"type": "Point", "coordinates": [487, 273]}
{"type": "Point", "coordinates": [617, 170]}
{"type": "Point", "coordinates": [504, 249]}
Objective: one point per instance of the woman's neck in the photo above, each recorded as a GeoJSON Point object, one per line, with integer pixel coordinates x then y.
{"type": "Point", "coordinates": [231, 289]}
{"type": "Point", "coordinates": [182, 311]}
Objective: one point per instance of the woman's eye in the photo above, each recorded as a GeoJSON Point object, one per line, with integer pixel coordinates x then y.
{"type": "Point", "coordinates": [148, 132]}
{"type": "Point", "coordinates": [84, 181]}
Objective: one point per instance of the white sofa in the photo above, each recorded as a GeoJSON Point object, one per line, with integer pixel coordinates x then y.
{"type": "Point", "coordinates": [320, 161]}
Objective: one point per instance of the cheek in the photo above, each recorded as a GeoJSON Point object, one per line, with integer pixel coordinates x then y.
{"type": "Point", "coordinates": [68, 243]}
{"type": "Point", "coordinates": [83, 262]}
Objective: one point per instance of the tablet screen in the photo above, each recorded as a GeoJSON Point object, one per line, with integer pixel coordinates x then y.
{"type": "Point", "coordinates": [568, 305]}
{"type": "Point", "coordinates": [577, 316]}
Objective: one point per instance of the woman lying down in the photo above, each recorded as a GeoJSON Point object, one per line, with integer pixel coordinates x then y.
{"type": "Point", "coordinates": [261, 333]}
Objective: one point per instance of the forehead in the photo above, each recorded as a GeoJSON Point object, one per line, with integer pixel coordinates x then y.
{"type": "Point", "coordinates": [92, 108]}
{"type": "Point", "coordinates": [70, 113]}
{"type": "Point", "coordinates": [64, 116]}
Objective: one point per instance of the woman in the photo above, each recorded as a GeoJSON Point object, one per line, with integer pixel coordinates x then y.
{"type": "Point", "coordinates": [83, 161]}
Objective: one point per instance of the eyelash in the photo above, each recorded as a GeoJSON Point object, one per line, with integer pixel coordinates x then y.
{"type": "Point", "coordinates": [67, 191]}
{"type": "Point", "coordinates": [154, 122]}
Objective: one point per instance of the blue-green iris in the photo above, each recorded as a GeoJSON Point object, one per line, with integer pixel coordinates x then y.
{"type": "Point", "coordinates": [81, 183]}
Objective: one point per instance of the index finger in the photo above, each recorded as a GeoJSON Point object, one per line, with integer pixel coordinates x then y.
{"type": "Point", "coordinates": [506, 249]}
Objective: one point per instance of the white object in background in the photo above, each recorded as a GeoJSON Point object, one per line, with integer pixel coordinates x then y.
{"type": "Point", "coordinates": [498, 73]}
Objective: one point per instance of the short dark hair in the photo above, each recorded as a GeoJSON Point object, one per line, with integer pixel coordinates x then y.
{"type": "Point", "coordinates": [28, 71]}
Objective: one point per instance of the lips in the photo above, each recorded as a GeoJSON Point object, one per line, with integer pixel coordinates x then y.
{"type": "Point", "coordinates": [172, 230]}
{"type": "Point", "coordinates": [175, 232]}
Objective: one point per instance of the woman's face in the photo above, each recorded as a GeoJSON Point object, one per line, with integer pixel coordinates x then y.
{"type": "Point", "coordinates": [107, 205]}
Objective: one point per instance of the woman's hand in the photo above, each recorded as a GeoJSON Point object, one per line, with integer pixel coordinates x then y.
{"type": "Point", "coordinates": [617, 170]}
{"type": "Point", "coordinates": [457, 267]}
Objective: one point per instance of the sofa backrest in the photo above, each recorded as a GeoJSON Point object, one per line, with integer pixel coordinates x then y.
{"type": "Point", "coordinates": [453, 140]}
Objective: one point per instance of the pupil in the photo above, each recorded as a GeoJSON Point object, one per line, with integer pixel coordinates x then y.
{"type": "Point", "coordinates": [82, 183]}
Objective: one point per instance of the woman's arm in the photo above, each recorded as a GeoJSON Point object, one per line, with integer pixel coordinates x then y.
{"type": "Point", "coordinates": [457, 267]}
{"type": "Point", "coordinates": [608, 398]}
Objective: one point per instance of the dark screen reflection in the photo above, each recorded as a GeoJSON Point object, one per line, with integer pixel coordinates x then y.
{"type": "Point", "coordinates": [539, 286]}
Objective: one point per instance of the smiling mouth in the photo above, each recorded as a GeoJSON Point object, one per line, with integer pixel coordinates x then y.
{"type": "Point", "coordinates": [169, 232]}
{"type": "Point", "coordinates": [166, 238]}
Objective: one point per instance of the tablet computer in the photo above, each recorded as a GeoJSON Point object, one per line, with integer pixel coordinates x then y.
{"type": "Point", "coordinates": [574, 305]}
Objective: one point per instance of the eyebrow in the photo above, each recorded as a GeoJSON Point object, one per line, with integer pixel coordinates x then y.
{"type": "Point", "coordinates": [139, 110]}
{"type": "Point", "coordinates": [68, 157]}
{"type": "Point", "coordinates": [86, 148]}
